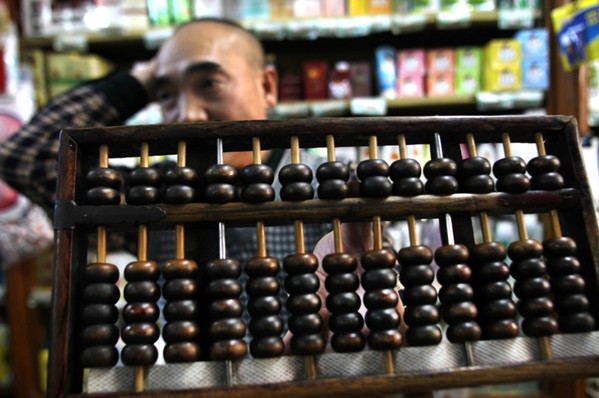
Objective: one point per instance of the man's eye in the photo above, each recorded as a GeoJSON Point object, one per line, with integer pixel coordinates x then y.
{"type": "Point", "coordinates": [164, 96]}
{"type": "Point", "coordinates": [210, 84]}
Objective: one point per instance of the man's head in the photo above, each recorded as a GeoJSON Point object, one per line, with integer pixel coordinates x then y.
{"type": "Point", "coordinates": [213, 70]}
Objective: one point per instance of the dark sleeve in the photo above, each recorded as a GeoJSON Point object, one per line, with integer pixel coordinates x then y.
{"type": "Point", "coordinates": [28, 159]}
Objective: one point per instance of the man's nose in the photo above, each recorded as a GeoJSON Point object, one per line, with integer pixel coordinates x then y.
{"type": "Point", "coordinates": [192, 109]}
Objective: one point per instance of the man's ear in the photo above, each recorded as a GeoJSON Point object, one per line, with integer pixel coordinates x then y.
{"type": "Point", "coordinates": [270, 84]}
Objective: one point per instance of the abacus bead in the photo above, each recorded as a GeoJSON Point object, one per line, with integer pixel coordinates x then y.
{"type": "Point", "coordinates": [572, 304]}
{"type": "Point", "coordinates": [304, 303]}
{"type": "Point", "coordinates": [99, 356]}
{"type": "Point", "coordinates": [441, 185]}
{"type": "Point", "coordinates": [576, 323]}
{"type": "Point", "coordinates": [228, 308]}
{"type": "Point", "coordinates": [372, 168]}
{"type": "Point", "coordinates": [103, 176]}
{"type": "Point", "coordinates": [141, 312]}
{"type": "Point", "coordinates": [423, 315]}
{"type": "Point", "coordinates": [297, 191]}
{"type": "Point", "coordinates": [539, 326]}
{"type": "Point", "coordinates": [258, 193]}
{"type": "Point", "coordinates": [257, 174]}
{"type": "Point", "coordinates": [139, 355]}
{"type": "Point", "coordinates": [106, 333]}
{"type": "Point", "coordinates": [343, 302]}
{"type": "Point", "coordinates": [462, 311]}
{"type": "Point", "coordinates": [509, 165]}
{"type": "Point", "coordinates": [101, 272]}
{"type": "Point", "coordinates": [547, 181]}
{"type": "Point", "coordinates": [384, 340]}
{"type": "Point", "coordinates": [181, 175]}
{"type": "Point", "coordinates": [420, 274]}
{"type": "Point", "coordinates": [477, 184]}
{"type": "Point", "coordinates": [543, 164]}
{"type": "Point", "coordinates": [332, 171]}
{"type": "Point", "coordinates": [563, 266]}
{"type": "Point", "coordinates": [228, 328]}
{"type": "Point", "coordinates": [182, 352]}
{"type": "Point", "coordinates": [305, 324]}
{"type": "Point", "coordinates": [346, 323]}
{"type": "Point", "coordinates": [141, 291]}
{"type": "Point", "coordinates": [535, 307]}
{"type": "Point", "coordinates": [267, 347]}
{"type": "Point", "coordinates": [531, 288]}
{"type": "Point", "coordinates": [386, 318]}
{"type": "Point", "coordinates": [379, 279]}
{"type": "Point", "coordinates": [179, 289]}
{"type": "Point", "coordinates": [180, 268]}
{"type": "Point", "coordinates": [295, 172]}
{"type": "Point", "coordinates": [440, 167]}
{"type": "Point", "coordinates": [568, 284]}
{"type": "Point", "coordinates": [262, 266]}
{"type": "Point", "coordinates": [513, 183]}
{"type": "Point", "coordinates": [487, 252]}
{"type": "Point", "coordinates": [333, 189]}
{"type": "Point", "coordinates": [266, 326]}
{"type": "Point", "coordinates": [463, 332]}
{"type": "Point", "coordinates": [376, 187]}
{"type": "Point", "coordinates": [448, 255]}
{"type": "Point", "coordinates": [221, 173]}
{"type": "Point", "coordinates": [558, 247]}
{"type": "Point", "coordinates": [179, 194]}
{"type": "Point", "coordinates": [415, 255]}
{"type": "Point", "coordinates": [405, 168]}
{"type": "Point", "coordinates": [101, 293]}
{"type": "Point", "coordinates": [498, 309]}
{"type": "Point", "coordinates": [454, 273]}
{"type": "Point", "coordinates": [143, 195]}
{"type": "Point", "coordinates": [304, 283]}
{"type": "Point", "coordinates": [381, 299]}
{"type": "Point", "coordinates": [503, 329]}
{"type": "Point", "coordinates": [223, 268]}
{"type": "Point", "coordinates": [220, 193]}
{"type": "Point", "coordinates": [423, 294]}
{"type": "Point", "coordinates": [300, 263]}
{"type": "Point", "coordinates": [348, 342]}
{"type": "Point", "coordinates": [496, 290]}
{"type": "Point", "coordinates": [409, 186]}
{"type": "Point", "coordinates": [456, 293]}
{"type": "Point", "coordinates": [223, 288]}
{"type": "Point", "coordinates": [377, 259]}
{"type": "Point", "coordinates": [99, 313]}
{"type": "Point", "coordinates": [309, 344]}
{"type": "Point", "coordinates": [474, 165]}
{"type": "Point", "coordinates": [424, 335]}
{"type": "Point", "coordinates": [523, 249]}
{"type": "Point", "coordinates": [145, 176]}
{"type": "Point", "coordinates": [528, 268]}
{"type": "Point", "coordinates": [341, 282]}
{"type": "Point", "coordinates": [339, 262]}
{"type": "Point", "coordinates": [140, 333]}
{"type": "Point", "coordinates": [264, 306]}
{"type": "Point", "coordinates": [101, 195]}
{"type": "Point", "coordinates": [228, 349]}
{"type": "Point", "coordinates": [268, 285]}
{"type": "Point", "coordinates": [180, 331]}
{"type": "Point", "coordinates": [142, 270]}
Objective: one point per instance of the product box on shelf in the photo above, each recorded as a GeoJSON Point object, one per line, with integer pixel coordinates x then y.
{"type": "Point", "coordinates": [333, 8]}
{"type": "Point", "coordinates": [440, 60]}
{"type": "Point", "coordinates": [467, 59]}
{"type": "Point", "coordinates": [502, 53]}
{"type": "Point", "coordinates": [439, 84]}
{"type": "Point", "coordinates": [411, 62]}
{"type": "Point", "coordinates": [533, 42]}
{"type": "Point", "coordinates": [357, 7]}
{"type": "Point", "coordinates": [306, 8]}
{"type": "Point", "coordinates": [507, 78]}
{"type": "Point", "coordinates": [315, 79]}
{"type": "Point", "coordinates": [535, 75]}
{"type": "Point", "coordinates": [410, 86]}
{"type": "Point", "coordinates": [290, 87]}
{"type": "Point", "coordinates": [378, 7]}
{"type": "Point", "coordinates": [386, 71]}
{"type": "Point", "coordinates": [466, 82]}
{"type": "Point", "coordinates": [361, 78]}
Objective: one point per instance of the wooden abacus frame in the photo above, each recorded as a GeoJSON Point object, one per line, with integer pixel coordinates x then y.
{"type": "Point", "coordinates": [73, 222]}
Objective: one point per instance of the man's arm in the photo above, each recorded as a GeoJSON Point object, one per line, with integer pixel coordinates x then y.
{"type": "Point", "coordinates": [28, 159]}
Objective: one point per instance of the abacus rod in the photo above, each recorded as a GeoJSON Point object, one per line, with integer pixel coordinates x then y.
{"type": "Point", "coordinates": [101, 244]}
{"type": "Point", "coordinates": [260, 239]}
{"type": "Point", "coordinates": [142, 242]}
{"type": "Point", "coordinates": [507, 146]}
{"type": "Point", "coordinates": [372, 147]}
{"type": "Point", "coordinates": [377, 233]}
{"type": "Point", "coordinates": [295, 155]}
{"type": "Point", "coordinates": [484, 217]}
{"type": "Point", "coordinates": [337, 235]}
{"type": "Point", "coordinates": [300, 247]}
{"type": "Point", "coordinates": [257, 159]}
{"type": "Point", "coordinates": [403, 154]}
{"type": "Point", "coordinates": [539, 140]}
{"type": "Point", "coordinates": [144, 155]}
{"type": "Point", "coordinates": [330, 148]}
{"type": "Point", "coordinates": [181, 153]}
{"type": "Point", "coordinates": [403, 151]}
{"type": "Point", "coordinates": [553, 216]}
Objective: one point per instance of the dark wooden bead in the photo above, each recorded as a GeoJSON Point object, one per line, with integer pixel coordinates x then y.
{"type": "Point", "coordinates": [257, 174]}
{"type": "Point", "coordinates": [538, 306]}
{"type": "Point", "coordinates": [405, 168]}
{"type": "Point", "coordinates": [311, 344]}
{"type": "Point", "coordinates": [463, 332]}
{"type": "Point", "coordinates": [300, 263]}
{"type": "Point", "coordinates": [572, 304]}
{"type": "Point", "coordinates": [181, 310]}
{"type": "Point", "coordinates": [424, 335]}
{"type": "Point", "coordinates": [333, 189]}
{"type": "Point", "coordinates": [304, 283]}
{"type": "Point", "coordinates": [139, 355]}
{"type": "Point", "coordinates": [495, 290]}
{"type": "Point", "coordinates": [456, 273]}
{"type": "Point", "coordinates": [501, 329]}
{"type": "Point", "coordinates": [142, 270]}
{"type": "Point", "coordinates": [493, 271]}
{"type": "Point", "coordinates": [180, 331]}
{"type": "Point", "coordinates": [101, 293]}
{"type": "Point", "coordinates": [498, 309]}
{"type": "Point", "coordinates": [415, 255]}
{"type": "Point", "coordinates": [381, 299]}
{"type": "Point", "coordinates": [559, 247]}
{"type": "Point", "coordinates": [99, 356]}
{"type": "Point", "coordinates": [223, 288]}
{"type": "Point", "coordinates": [379, 279]}
{"type": "Point", "coordinates": [348, 342]}
{"type": "Point", "coordinates": [141, 291]}
{"type": "Point", "coordinates": [180, 289]}
{"type": "Point", "coordinates": [295, 172]}
{"type": "Point", "coordinates": [473, 166]}
{"type": "Point", "coordinates": [258, 193]}
{"type": "Point", "coordinates": [262, 266]}
{"type": "Point", "coordinates": [568, 284]}
{"type": "Point", "coordinates": [183, 352]}
{"type": "Point", "coordinates": [531, 288]}
{"type": "Point", "coordinates": [343, 302]}
{"type": "Point", "coordinates": [346, 322]}
{"type": "Point", "coordinates": [524, 249]}
{"type": "Point", "coordinates": [220, 193]}
{"type": "Point", "coordinates": [98, 196]}
{"type": "Point", "coordinates": [140, 333]}
{"type": "Point", "coordinates": [421, 274]}
{"type": "Point", "coordinates": [305, 324]}
{"type": "Point", "coordinates": [179, 194]}
{"type": "Point", "coordinates": [267, 347]}
{"type": "Point", "coordinates": [440, 167]}
{"type": "Point", "coordinates": [419, 295]}
{"type": "Point", "coordinates": [268, 285]}
{"type": "Point", "coordinates": [513, 183]}
{"type": "Point", "coordinates": [223, 268]}
{"type": "Point", "coordinates": [372, 168]}
{"type": "Point", "coordinates": [141, 312]}
{"type": "Point", "coordinates": [227, 308]}
{"type": "Point", "coordinates": [101, 272]}
{"type": "Point", "coordinates": [547, 182]}
{"type": "Point", "coordinates": [451, 254]}
{"type": "Point", "coordinates": [145, 176]}
{"type": "Point", "coordinates": [336, 263]}
{"type": "Point", "coordinates": [304, 303]}
{"type": "Point", "coordinates": [563, 266]}
{"type": "Point", "coordinates": [99, 313]}
{"type": "Point", "coordinates": [180, 268]}
{"type": "Point", "coordinates": [221, 173]}
{"type": "Point", "coordinates": [539, 326]}
{"type": "Point", "coordinates": [104, 177]}
{"type": "Point", "coordinates": [576, 323]}
{"type": "Point", "coordinates": [384, 339]}
{"type": "Point", "coordinates": [228, 349]}
{"type": "Point", "coordinates": [543, 164]}
{"type": "Point", "coordinates": [100, 334]}
{"type": "Point", "coordinates": [528, 268]}
{"type": "Point", "coordinates": [463, 311]}
{"type": "Point", "coordinates": [410, 186]}
{"type": "Point", "coordinates": [378, 259]}
{"type": "Point", "coordinates": [441, 185]}
{"type": "Point", "coordinates": [509, 165]}
{"type": "Point", "coordinates": [139, 195]}
{"type": "Point", "coordinates": [264, 306]}
{"type": "Point", "coordinates": [228, 328]}
{"type": "Point", "coordinates": [383, 319]}
{"type": "Point", "coordinates": [332, 171]}
{"type": "Point", "coordinates": [487, 252]}
{"type": "Point", "coordinates": [297, 191]}
{"type": "Point", "coordinates": [266, 326]}
{"type": "Point", "coordinates": [456, 293]}
{"type": "Point", "coordinates": [422, 315]}
{"type": "Point", "coordinates": [181, 175]}
{"type": "Point", "coordinates": [376, 187]}
{"type": "Point", "coordinates": [477, 184]}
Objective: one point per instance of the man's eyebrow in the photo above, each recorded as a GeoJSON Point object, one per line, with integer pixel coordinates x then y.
{"type": "Point", "coordinates": [203, 66]}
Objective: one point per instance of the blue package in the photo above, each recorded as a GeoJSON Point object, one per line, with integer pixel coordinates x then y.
{"type": "Point", "coordinates": [386, 71]}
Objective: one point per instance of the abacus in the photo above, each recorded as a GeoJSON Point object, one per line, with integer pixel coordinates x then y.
{"type": "Point", "coordinates": [525, 310]}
